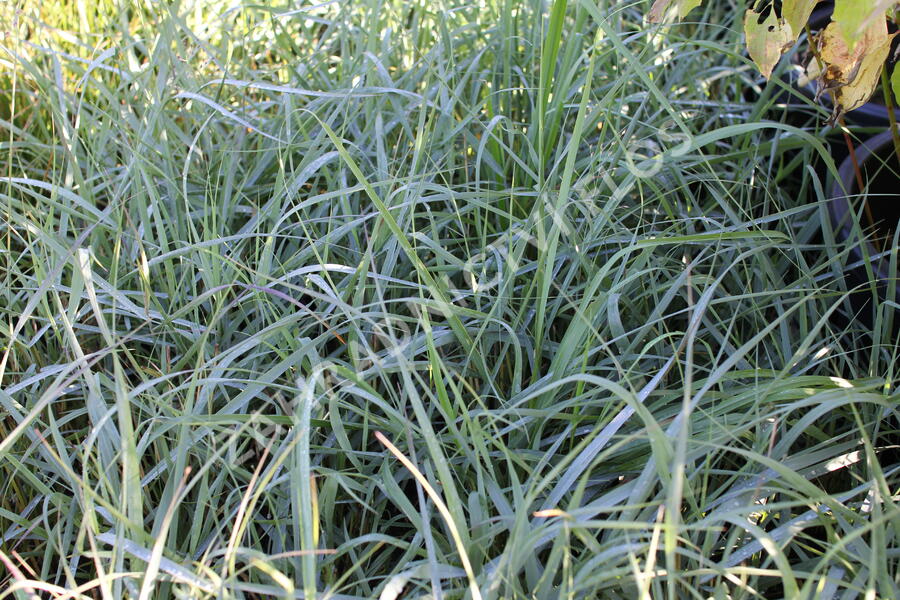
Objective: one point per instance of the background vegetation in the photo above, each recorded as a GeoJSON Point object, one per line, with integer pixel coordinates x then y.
{"type": "Point", "coordinates": [433, 299]}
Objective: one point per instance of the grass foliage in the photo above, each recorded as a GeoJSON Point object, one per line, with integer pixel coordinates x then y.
{"type": "Point", "coordinates": [419, 299]}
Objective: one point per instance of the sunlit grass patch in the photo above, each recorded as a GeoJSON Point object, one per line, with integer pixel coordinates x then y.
{"type": "Point", "coordinates": [584, 292]}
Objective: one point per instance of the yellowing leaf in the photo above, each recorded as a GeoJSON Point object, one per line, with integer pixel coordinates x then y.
{"type": "Point", "coordinates": [858, 91]}
{"type": "Point", "coordinates": [766, 40]}
{"type": "Point", "coordinates": [663, 10]}
{"type": "Point", "coordinates": [853, 73]}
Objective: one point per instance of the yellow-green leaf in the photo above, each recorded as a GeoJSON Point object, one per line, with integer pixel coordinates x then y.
{"type": "Point", "coordinates": [796, 13]}
{"type": "Point", "coordinates": [766, 40]}
{"type": "Point", "coordinates": [666, 10]}
{"type": "Point", "coordinates": [895, 85]}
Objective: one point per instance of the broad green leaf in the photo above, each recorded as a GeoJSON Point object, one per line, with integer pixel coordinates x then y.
{"type": "Point", "coordinates": [766, 40]}
{"type": "Point", "coordinates": [856, 16]}
{"type": "Point", "coordinates": [853, 74]}
{"type": "Point", "coordinates": [664, 10]}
